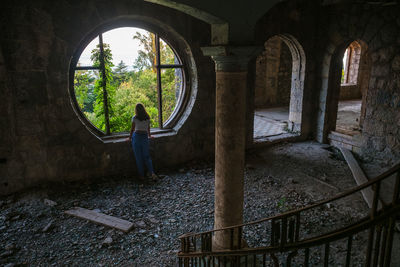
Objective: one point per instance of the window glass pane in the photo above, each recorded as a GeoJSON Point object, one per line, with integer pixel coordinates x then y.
{"type": "Point", "coordinates": [131, 47]}
{"type": "Point", "coordinates": [85, 59]}
{"type": "Point", "coordinates": [134, 75]}
{"type": "Point", "coordinates": [171, 83]}
{"type": "Point", "coordinates": [141, 87]}
{"type": "Point", "coordinates": [86, 93]}
{"type": "Point", "coordinates": [167, 55]}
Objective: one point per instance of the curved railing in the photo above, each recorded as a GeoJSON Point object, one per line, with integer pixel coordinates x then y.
{"type": "Point", "coordinates": [288, 243]}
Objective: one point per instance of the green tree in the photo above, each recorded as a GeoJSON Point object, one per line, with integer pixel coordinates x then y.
{"type": "Point", "coordinates": [167, 56]}
{"type": "Point", "coordinates": [147, 56]}
{"type": "Point", "coordinates": [171, 85]}
{"type": "Point", "coordinates": [98, 106]}
{"type": "Point", "coordinates": [91, 97]}
{"type": "Point", "coordinates": [120, 73]}
{"type": "Point", "coordinates": [81, 86]}
{"type": "Point", "coordinates": [129, 94]}
{"type": "Point", "coordinates": [84, 85]}
{"type": "Point", "coordinates": [170, 81]}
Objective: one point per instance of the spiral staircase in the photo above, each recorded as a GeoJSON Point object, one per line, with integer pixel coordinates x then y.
{"type": "Point", "coordinates": [288, 241]}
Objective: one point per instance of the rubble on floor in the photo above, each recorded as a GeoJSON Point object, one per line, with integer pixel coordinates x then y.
{"type": "Point", "coordinates": [34, 230]}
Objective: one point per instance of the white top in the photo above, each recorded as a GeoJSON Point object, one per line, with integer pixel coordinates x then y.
{"type": "Point", "coordinates": [141, 126]}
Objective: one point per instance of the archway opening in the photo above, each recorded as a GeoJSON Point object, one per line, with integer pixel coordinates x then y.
{"type": "Point", "coordinates": [278, 96]}
{"type": "Point", "coordinates": [353, 88]}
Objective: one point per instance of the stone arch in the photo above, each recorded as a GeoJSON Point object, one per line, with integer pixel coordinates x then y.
{"type": "Point", "coordinates": [331, 82]}
{"type": "Point", "coordinates": [219, 27]}
{"type": "Point", "coordinates": [297, 85]}
{"type": "Point", "coordinates": [295, 90]}
{"type": "Point", "coordinates": [352, 63]}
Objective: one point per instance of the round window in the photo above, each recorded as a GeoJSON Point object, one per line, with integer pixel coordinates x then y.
{"type": "Point", "coordinates": [122, 67]}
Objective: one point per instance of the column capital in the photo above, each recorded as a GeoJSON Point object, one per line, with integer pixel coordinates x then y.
{"type": "Point", "coordinates": [231, 58]}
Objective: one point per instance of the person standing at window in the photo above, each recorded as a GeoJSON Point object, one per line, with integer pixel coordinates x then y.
{"type": "Point", "coordinates": [139, 138]}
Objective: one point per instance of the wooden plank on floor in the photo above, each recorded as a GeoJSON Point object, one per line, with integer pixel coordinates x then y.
{"type": "Point", "coordinates": [340, 144]}
{"type": "Point", "coordinates": [359, 176]}
{"type": "Point", "coordinates": [344, 139]}
{"type": "Point", "coordinates": [101, 218]}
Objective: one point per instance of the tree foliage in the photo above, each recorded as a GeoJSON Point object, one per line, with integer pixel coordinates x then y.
{"type": "Point", "coordinates": [84, 85]}
{"type": "Point", "coordinates": [147, 55]}
{"type": "Point", "coordinates": [99, 106]}
{"type": "Point", "coordinates": [121, 73]}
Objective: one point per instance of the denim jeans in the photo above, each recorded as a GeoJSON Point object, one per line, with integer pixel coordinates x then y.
{"type": "Point", "coordinates": [140, 146]}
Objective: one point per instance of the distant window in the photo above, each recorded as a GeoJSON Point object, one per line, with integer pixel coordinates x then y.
{"type": "Point", "coordinates": [351, 63]}
{"type": "Point", "coordinates": [125, 66]}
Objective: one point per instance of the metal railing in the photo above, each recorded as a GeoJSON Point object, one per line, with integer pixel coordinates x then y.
{"type": "Point", "coordinates": [288, 243]}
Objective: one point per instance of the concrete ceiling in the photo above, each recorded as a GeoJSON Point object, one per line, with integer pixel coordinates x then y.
{"type": "Point", "coordinates": [232, 22]}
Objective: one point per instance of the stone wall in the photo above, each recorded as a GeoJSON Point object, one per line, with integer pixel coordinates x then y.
{"type": "Point", "coordinates": [350, 91]}
{"type": "Point", "coordinates": [284, 76]}
{"type": "Point", "coordinates": [273, 75]}
{"type": "Point", "coordinates": [324, 32]}
{"type": "Point", "coordinates": [42, 138]}
{"type": "Point", "coordinates": [378, 28]}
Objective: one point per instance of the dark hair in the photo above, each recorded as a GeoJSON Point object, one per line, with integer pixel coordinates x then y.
{"type": "Point", "coordinates": [141, 113]}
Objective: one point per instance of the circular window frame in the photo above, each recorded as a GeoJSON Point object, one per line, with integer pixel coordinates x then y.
{"type": "Point", "coordinates": [167, 35]}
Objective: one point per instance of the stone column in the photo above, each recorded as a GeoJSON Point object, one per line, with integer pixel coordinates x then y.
{"type": "Point", "coordinates": [231, 84]}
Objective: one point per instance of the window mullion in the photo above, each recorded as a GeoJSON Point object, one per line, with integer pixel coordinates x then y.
{"type": "Point", "coordinates": [104, 84]}
{"type": "Point", "coordinates": [171, 66]}
{"type": "Point", "coordinates": [87, 68]}
{"type": "Point", "coordinates": [159, 88]}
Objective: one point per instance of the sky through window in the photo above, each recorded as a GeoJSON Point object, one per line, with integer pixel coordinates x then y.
{"type": "Point", "coordinates": [122, 45]}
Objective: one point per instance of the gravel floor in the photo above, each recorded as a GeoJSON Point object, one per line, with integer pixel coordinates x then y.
{"type": "Point", "coordinates": [277, 179]}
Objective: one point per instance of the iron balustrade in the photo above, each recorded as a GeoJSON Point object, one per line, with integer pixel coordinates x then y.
{"type": "Point", "coordinates": [284, 235]}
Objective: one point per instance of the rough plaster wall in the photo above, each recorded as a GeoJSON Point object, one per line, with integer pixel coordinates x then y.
{"type": "Point", "coordinates": [260, 94]}
{"type": "Point", "coordinates": [5, 124]}
{"type": "Point", "coordinates": [273, 75]}
{"type": "Point", "coordinates": [50, 142]}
